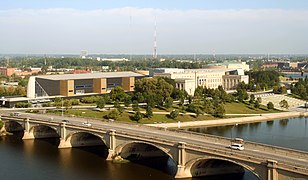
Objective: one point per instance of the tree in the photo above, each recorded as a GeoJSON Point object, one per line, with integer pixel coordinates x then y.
{"type": "Point", "coordinates": [284, 104]}
{"type": "Point", "coordinates": [101, 103]}
{"type": "Point", "coordinates": [198, 111]}
{"type": "Point", "coordinates": [138, 115]}
{"type": "Point", "coordinates": [156, 89]}
{"type": "Point", "coordinates": [113, 114]}
{"type": "Point", "coordinates": [252, 98]}
{"type": "Point", "coordinates": [10, 90]}
{"type": "Point", "coordinates": [22, 82]}
{"type": "Point", "coordinates": [242, 95]}
{"type": "Point", "coordinates": [20, 91]}
{"type": "Point", "coordinates": [127, 100]}
{"type": "Point", "coordinates": [135, 106]}
{"type": "Point", "coordinates": [257, 104]}
{"type": "Point", "coordinates": [149, 112]}
{"type": "Point", "coordinates": [270, 105]}
{"type": "Point", "coordinates": [174, 114]}
{"type": "Point", "coordinates": [118, 106]}
{"type": "Point", "coordinates": [117, 93]}
{"type": "Point", "coordinates": [208, 106]}
{"type": "Point", "coordinates": [67, 104]}
{"type": "Point", "coordinates": [219, 111]}
{"type": "Point", "coordinates": [168, 103]}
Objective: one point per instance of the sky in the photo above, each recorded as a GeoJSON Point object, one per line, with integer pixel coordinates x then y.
{"type": "Point", "coordinates": [127, 27]}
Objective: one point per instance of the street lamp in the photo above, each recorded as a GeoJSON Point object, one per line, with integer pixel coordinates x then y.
{"type": "Point", "coordinates": [231, 133]}
{"type": "Point", "coordinates": [62, 107]}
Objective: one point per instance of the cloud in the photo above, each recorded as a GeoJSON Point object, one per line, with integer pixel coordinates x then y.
{"type": "Point", "coordinates": [130, 30]}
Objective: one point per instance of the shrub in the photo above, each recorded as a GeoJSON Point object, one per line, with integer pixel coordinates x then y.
{"type": "Point", "coordinates": [22, 105]}
{"type": "Point", "coordinates": [138, 115]}
{"type": "Point", "coordinates": [174, 114]}
{"type": "Point", "coordinates": [270, 105]}
{"type": "Point", "coordinates": [113, 114]}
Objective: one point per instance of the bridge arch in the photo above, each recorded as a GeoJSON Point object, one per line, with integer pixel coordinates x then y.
{"type": "Point", "coordinates": [44, 131]}
{"type": "Point", "coordinates": [119, 148]}
{"type": "Point", "coordinates": [197, 167]}
{"type": "Point", "coordinates": [13, 126]}
{"type": "Point", "coordinates": [82, 138]}
{"type": "Point", "coordinates": [149, 154]}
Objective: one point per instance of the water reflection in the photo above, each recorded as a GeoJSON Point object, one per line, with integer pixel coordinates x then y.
{"type": "Point", "coordinates": [41, 158]}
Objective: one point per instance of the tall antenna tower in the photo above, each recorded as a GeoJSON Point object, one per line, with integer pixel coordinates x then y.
{"type": "Point", "coordinates": [130, 31]}
{"type": "Point", "coordinates": [155, 42]}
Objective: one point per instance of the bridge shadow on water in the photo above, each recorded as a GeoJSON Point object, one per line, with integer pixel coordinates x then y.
{"type": "Point", "coordinates": [100, 150]}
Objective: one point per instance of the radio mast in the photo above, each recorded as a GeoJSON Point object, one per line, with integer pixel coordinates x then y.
{"type": "Point", "coordinates": [155, 42]}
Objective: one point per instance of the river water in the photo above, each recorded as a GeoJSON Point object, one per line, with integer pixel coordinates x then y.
{"type": "Point", "coordinates": [289, 133]}
{"type": "Point", "coordinates": [41, 159]}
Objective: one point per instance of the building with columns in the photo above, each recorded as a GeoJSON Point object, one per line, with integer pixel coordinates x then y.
{"type": "Point", "coordinates": [190, 79]}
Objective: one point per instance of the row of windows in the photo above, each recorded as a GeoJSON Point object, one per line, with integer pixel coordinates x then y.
{"type": "Point", "coordinates": [83, 86]}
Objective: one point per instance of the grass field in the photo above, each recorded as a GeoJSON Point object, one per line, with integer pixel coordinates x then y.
{"type": "Point", "coordinates": [231, 108]}
{"type": "Point", "coordinates": [243, 108]}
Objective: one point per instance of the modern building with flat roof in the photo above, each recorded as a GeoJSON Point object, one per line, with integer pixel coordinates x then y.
{"type": "Point", "coordinates": [80, 84]}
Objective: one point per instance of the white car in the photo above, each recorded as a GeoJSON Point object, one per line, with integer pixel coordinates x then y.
{"type": "Point", "coordinates": [87, 124]}
{"type": "Point", "coordinates": [237, 146]}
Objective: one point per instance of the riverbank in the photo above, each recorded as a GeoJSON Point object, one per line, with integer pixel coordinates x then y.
{"type": "Point", "coordinates": [231, 121]}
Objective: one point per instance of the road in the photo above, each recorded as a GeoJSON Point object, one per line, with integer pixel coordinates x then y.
{"type": "Point", "coordinates": [175, 136]}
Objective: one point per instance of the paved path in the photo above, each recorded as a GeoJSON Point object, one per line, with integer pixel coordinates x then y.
{"type": "Point", "coordinates": [238, 120]}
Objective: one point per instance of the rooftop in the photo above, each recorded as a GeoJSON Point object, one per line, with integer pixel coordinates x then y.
{"type": "Point", "coordinates": [91, 75]}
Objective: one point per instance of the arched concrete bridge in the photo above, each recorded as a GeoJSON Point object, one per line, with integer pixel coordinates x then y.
{"type": "Point", "coordinates": [192, 155]}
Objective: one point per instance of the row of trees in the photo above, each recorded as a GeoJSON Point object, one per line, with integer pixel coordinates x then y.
{"type": "Point", "coordinates": [69, 62]}
{"type": "Point", "coordinates": [260, 80]}
{"type": "Point", "coordinates": [12, 91]}
{"type": "Point", "coordinates": [301, 88]}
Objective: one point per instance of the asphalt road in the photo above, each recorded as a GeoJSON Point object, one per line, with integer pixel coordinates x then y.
{"type": "Point", "coordinates": [199, 140]}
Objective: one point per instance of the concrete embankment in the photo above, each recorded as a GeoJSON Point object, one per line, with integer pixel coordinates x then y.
{"type": "Point", "coordinates": [230, 121]}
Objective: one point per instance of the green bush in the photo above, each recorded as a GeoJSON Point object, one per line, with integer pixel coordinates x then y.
{"type": "Point", "coordinates": [174, 114]}
{"type": "Point", "coordinates": [113, 114]}
{"type": "Point", "coordinates": [22, 105]}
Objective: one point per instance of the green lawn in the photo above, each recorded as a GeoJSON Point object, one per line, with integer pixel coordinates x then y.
{"type": "Point", "coordinates": [242, 108]}
{"type": "Point", "coordinates": [231, 108]}
{"type": "Point", "coordinates": [126, 117]}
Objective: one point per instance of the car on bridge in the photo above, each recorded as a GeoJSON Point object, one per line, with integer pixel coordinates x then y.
{"type": "Point", "coordinates": [87, 124]}
{"type": "Point", "coordinates": [237, 146]}
{"type": "Point", "coordinates": [66, 121]}
{"type": "Point", "coordinates": [16, 114]}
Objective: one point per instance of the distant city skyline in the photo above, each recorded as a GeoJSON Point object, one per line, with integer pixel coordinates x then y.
{"type": "Point", "coordinates": [127, 27]}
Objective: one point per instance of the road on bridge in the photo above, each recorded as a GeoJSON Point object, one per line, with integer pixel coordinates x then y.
{"type": "Point", "coordinates": [177, 136]}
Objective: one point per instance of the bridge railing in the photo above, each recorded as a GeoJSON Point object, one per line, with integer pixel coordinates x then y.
{"type": "Point", "coordinates": [252, 145]}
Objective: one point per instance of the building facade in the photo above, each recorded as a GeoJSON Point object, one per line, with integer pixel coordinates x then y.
{"type": "Point", "coordinates": [80, 84]}
{"type": "Point", "coordinates": [190, 79]}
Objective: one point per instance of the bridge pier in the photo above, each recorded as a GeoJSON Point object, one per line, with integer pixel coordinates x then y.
{"type": "Point", "coordinates": [181, 173]}
{"type": "Point", "coordinates": [112, 145]}
{"type": "Point", "coordinates": [64, 143]}
{"type": "Point", "coordinates": [272, 170]}
{"type": "Point", "coordinates": [27, 133]}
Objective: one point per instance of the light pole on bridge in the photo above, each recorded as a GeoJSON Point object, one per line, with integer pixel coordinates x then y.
{"type": "Point", "coordinates": [232, 133]}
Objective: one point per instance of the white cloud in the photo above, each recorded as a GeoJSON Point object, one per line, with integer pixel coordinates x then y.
{"type": "Point", "coordinates": [179, 31]}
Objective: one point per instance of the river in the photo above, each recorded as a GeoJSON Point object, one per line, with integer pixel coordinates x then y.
{"type": "Point", "coordinates": [41, 159]}
{"type": "Point", "coordinates": [289, 133]}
